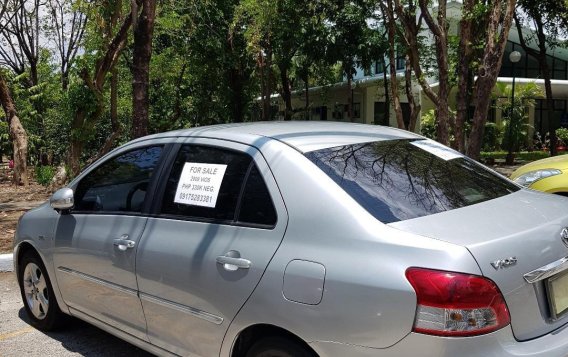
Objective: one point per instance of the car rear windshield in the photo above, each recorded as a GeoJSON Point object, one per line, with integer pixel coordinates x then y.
{"type": "Point", "coordinates": [397, 180]}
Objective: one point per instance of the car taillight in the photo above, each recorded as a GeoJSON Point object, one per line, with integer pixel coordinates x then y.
{"type": "Point", "coordinates": [455, 304]}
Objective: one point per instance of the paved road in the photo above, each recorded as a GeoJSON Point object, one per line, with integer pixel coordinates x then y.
{"type": "Point", "coordinates": [18, 338]}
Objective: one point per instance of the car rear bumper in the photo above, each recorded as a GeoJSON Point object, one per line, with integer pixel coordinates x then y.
{"type": "Point", "coordinates": [499, 343]}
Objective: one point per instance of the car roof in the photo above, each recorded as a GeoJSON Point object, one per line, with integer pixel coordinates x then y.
{"type": "Point", "coordinates": [304, 136]}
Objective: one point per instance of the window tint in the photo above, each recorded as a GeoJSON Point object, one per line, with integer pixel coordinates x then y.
{"type": "Point", "coordinates": [120, 184]}
{"type": "Point", "coordinates": [398, 180]}
{"type": "Point", "coordinates": [229, 191]}
{"type": "Point", "coordinates": [256, 204]}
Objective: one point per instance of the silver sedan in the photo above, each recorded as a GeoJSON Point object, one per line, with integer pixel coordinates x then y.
{"type": "Point", "coordinates": [300, 239]}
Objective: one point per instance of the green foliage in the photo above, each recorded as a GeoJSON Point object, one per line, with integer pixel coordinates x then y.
{"type": "Point", "coordinates": [515, 119]}
{"type": "Point", "coordinates": [562, 134]}
{"type": "Point", "coordinates": [204, 66]}
{"type": "Point", "coordinates": [492, 136]}
{"type": "Point", "coordinates": [428, 125]}
{"type": "Point", "coordinates": [5, 146]}
{"type": "Point", "coordinates": [523, 155]}
{"type": "Point", "coordinates": [44, 174]}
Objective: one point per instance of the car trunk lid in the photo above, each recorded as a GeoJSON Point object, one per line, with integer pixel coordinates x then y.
{"type": "Point", "coordinates": [525, 226]}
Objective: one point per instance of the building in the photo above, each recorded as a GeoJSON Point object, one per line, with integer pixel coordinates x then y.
{"type": "Point", "coordinates": [330, 102]}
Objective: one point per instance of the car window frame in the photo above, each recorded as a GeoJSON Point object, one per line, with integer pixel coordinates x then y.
{"type": "Point", "coordinates": [152, 183]}
{"type": "Point", "coordinates": [256, 159]}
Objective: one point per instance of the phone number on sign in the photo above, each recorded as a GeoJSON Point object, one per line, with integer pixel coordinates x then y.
{"type": "Point", "coordinates": [193, 197]}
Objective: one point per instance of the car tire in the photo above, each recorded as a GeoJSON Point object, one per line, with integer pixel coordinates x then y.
{"type": "Point", "coordinates": [37, 294]}
{"type": "Point", "coordinates": [278, 347]}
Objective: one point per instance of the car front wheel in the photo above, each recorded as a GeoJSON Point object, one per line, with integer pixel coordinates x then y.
{"type": "Point", "coordinates": [37, 294]}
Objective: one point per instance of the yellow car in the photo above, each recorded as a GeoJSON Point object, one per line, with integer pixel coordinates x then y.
{"type": "Point", "coordinates": [548, 175]}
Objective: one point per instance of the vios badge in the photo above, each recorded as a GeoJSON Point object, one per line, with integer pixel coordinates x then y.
{"type": "Point", "coordinates": [564, 236]}
{"type": "Point", "coordinates": [504, 263]}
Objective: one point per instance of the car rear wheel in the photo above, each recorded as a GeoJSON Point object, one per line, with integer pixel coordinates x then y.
{"type": "Point", "coordinates": [37, 294]}
{"type": "Point", "coordinates": [278, 347]}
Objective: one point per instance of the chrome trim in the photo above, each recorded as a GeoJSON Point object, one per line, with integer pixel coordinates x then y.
{"type": "Point", "coordinates": [104, 283]}
{"type": "Point", "coordinates": [546, 271]}
{"type": "Point", "coordinates": [183, 308]}
{"type": "Point", "coordinates": [564, 236]}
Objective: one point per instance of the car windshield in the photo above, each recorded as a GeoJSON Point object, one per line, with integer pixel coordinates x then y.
{"type": "Point", "coordinates": [397, 180]}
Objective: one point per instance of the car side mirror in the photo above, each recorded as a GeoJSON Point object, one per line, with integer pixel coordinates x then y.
{"type": "Point", "coordinates": [62, 200]}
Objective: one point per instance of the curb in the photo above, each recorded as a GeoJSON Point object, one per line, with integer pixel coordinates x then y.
{"type": "Point", "coordinates": [6, 263]}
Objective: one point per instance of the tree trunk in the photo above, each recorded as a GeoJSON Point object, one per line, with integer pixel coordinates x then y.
{"type": "Point", "coordinates": [65, 80]}
{"type": "Point", "coordinates": [350, 97]}
{"type": "Point", "coordinates": [17, 135]}
{"type": "Point", "coordinates": [462, 100]}
{"type": "Point", "coordinates": [286, 92]}
{"type": "Point", "coordinates": [414, 106]}
{"type": "Point", "coordinates": [260, 64]}
{"type": "Point", "coordinates": [387, 97]}
{"type": "Point", "coordinates": [498, 28]}
{"type": "Point", "coordinates": [115, 125]}
{"type": "Point", "coordinates": [142, 55]}
{"type": "Point", "coordinates": [236, 101]}
{"type": "Point", "coordinates": [267, 92]}
{"type": "Point", "coordinates": [393, 81]}
{"type": "Point", "coordinates": [540, 56]}
{"type": "Point", "coordinates": [85, 117]}
{"type": "Point", "coordinates": [440, 32]}
{"type": "Point", "coordinates": [388, 17]}
{"type": "Point", "coordinates": [307, 95]}
{"type": "Point", "coordinates": [236, 83]}
{"type": "Point", "coordinates": [75, 151]}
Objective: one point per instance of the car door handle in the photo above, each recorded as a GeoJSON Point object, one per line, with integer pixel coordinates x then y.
{"type": "Point", "coordinates": [232, 261]}
{"type": "Point", "coordinates": [124, 244]}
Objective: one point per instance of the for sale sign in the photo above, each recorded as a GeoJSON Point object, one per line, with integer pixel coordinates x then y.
{"type": "Point", "coordinates": [199, 184]}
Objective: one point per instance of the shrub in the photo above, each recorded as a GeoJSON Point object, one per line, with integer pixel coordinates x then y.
{"type": "Point", "coordinates": [428, 124]}
{"type": "Point", "coordinates": [44, 174]}
{"type": "Point", "coordinates": [562, 134]}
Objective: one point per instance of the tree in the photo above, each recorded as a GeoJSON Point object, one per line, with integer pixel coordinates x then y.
{"type": "Point", "coordinates": [90, 103]}
{"type": "Point", "coordinates": [549, 18]}
{"type": "Point", "coordinates": [499, 16]}
{"type": "Point", "coordinates": [352, 42]}
{"type": "Point", "coordinates": [411, 25]}
{"type": "Point", "coordinates": [255, 18]}
{"type": "Point", "coordinates": [390, 21]}
{"type": "Point", "coordinates": [142, 55]}
{"type": "Point", "coordinates": [469, 22]}
{"type": "Point", "coordinates": [18, 134]}
{"type": "Point", "coordinates": [19, 36]}
{"type": "Point", "coordinates": [66, 29]}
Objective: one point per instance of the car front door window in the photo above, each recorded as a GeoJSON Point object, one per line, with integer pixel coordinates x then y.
{"type": "Point", "coordinates": [120, 184]}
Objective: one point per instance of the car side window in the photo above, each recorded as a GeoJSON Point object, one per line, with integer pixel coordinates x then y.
{"type": "Point", "coordinates": [120, 184]}
{"type": "Point", "coordinates": [256, 204]}
{"type": "Point", "coordinates": [228, 189]}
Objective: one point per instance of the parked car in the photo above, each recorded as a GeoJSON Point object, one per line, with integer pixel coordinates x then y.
{"type": "Point", "coordinates": [300, 239]}
{"type": "Point", "coordinates": [548, 175]}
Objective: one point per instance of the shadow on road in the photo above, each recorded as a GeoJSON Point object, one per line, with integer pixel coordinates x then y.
{"type": "Point", "coordinates": [87, 340]}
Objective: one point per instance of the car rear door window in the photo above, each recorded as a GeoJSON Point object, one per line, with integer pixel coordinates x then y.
{"type": "Point", "coordinates": [120, 184]}
{"type": "Point", "coordinates": [235, 165]}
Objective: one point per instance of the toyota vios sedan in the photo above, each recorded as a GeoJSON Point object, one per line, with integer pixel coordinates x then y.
{"type": "Point", "coordinates": [300, 239]}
